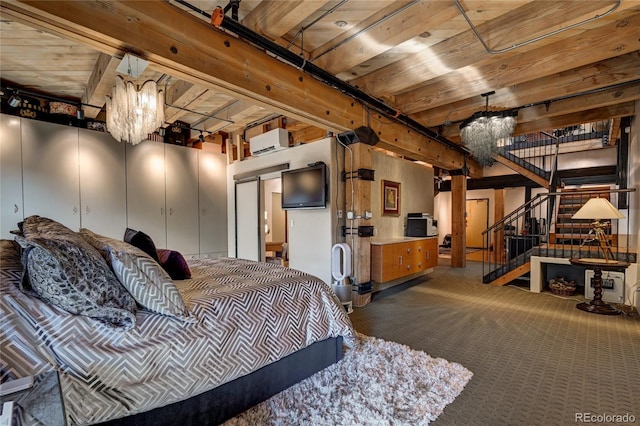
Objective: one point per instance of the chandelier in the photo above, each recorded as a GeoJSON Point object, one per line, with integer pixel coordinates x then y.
{"type": "Point", "coordinates": [486, 132]}
{"type": "Point", "coordinates": [133, 112]}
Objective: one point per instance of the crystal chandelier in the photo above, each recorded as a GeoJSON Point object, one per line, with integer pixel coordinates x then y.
{"type": "Point", "coordinates": [133, 112]}
{"type": "Point", "coordinates": [486, 132]}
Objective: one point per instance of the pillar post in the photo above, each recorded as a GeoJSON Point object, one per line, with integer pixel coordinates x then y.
{"type": "Point", "coordinates": [458, 219]}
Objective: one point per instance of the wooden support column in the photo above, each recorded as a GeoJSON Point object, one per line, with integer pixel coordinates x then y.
{"type": "Point", "coordinates": [458, 220]}
{"type": "Point", "coordinates": [229, 146]}
{"type": "Point", "coordinates": [240, 146]}
{"type": "Point", "coordinates": [498, 237]}
{"type": "Point", "coordinates": [360, 246]}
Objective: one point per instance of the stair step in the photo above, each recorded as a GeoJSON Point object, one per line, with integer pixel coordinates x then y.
{"type": "Point", "coordinates": [570, 215]}
{"type": "Point", "coordinates": [583, 196]}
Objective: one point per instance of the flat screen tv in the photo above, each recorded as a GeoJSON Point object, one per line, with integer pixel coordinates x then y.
{"type": "Point", "coordinates": [305, 188]}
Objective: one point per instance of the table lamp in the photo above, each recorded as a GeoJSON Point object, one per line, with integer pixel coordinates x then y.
{"type": "Point", "coordinates": [598, 209]}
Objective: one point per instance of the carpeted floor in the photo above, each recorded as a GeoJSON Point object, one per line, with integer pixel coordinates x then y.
{"type": "Point", "coordinates": [536, 359]}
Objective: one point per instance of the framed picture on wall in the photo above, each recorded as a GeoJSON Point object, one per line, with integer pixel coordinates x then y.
{"type": "Point", "coordinates": [390, 198]}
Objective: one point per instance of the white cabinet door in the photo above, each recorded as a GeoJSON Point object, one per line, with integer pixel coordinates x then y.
{"type": "Point", "coordinates": [181, 177]}
{"type": "Point", "coordinates": [50, 172]}
{"type": "Point", "coordinates": [103, 185]}
{"type": "Point", "coordinates": [145, 190]}
{"type": "Point", "coordinates": [10, 175]}
{"type": "Point", "coordinates": [212, 177]}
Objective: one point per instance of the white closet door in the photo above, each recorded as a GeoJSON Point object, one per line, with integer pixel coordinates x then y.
{"type": "Point", "coordinates": [50, 172]}
{"type": "Point", "coordinates": [145, 190]}
{"type": "Point", "coordinates": [248, 219]}
{"type": "Point", "coordinates": [181, 174]}
{"type": "Point", "coordinates": [11, 208]}
{"type": "Point", "coordinates": [212, 177]}
{"type": "Point", "coordinates": [103, 184]}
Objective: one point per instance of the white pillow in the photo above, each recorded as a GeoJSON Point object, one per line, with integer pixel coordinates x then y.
{"type": "Point", "coordinates": [145, 279]}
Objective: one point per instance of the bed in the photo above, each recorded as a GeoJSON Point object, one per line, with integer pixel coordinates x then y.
{"type": "Point", "coordinates": [246, 330]}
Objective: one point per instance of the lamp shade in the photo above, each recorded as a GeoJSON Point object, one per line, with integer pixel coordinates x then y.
{"type": "Point", "coordinates": [598, 208]}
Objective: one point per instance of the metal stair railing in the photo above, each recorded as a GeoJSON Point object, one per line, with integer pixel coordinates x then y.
{"type": "Point", "coordinates": [538, 152]}
{"type": "Point", "coordinates": [527, 231]}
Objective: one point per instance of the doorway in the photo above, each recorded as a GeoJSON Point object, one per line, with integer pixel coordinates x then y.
{"type": "Point", "coordinates": [477, 221]}
{"type": "Point", "coordinates": [275, 223]}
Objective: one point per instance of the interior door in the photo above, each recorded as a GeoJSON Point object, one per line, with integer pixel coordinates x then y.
{"type": "Point", "coordinates": [248, 219]}
{"type": "Point", "coordinates": [477, 221]}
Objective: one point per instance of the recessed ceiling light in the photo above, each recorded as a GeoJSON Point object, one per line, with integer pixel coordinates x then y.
{"type": "Point", "coordinates": [341, 23]}
{"type": "Point", "coordinates": [425, 34]}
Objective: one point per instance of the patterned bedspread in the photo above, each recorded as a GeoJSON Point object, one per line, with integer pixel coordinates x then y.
{"type": "Point", "coordinates": [249, 315]}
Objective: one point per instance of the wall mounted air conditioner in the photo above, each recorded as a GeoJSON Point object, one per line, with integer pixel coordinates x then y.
{"type": "Point", "coordinates": [271, 141]}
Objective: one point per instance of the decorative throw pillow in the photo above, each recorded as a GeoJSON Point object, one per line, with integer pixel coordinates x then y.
{"type": "Point", "coordinates": [175, 264]}
{"type": "Point", "coordinates": [39, 226]}
{"type": "Point", "coordinates": [142, 241]}
{"type": "Point", "coordinates": [65, 275]}
{"type": "Point", "coordinates": [149, 284]}
{"type": "Point", "coordinates": [10, 254]}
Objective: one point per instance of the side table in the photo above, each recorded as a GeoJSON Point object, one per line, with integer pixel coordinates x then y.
{"type": "Point", "coordinates": [41, 404]}
{"type": "Point", "coordinates": [597, 305]}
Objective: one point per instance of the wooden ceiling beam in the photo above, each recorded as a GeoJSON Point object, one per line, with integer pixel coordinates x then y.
{"type": "Point", "coordinates": [465, 50]}
{"type": "Point", "coordinates": [100, 84]}
{"type": "Point", "coordinates": [192, 50]}
{"type": "Point", "coordinates": [274, 19]}
{"type": "Point", "coordinates": [384, 36]}
{"type": "Point", "coordinates": [569, 106]}
{"type": "Point", "coordinates": [182, 94]}
{"type": "Point", "coordinates": [620, 69]}
{"type": "Point", "coordinates": [597, 114]}
{"type": "Point", "coordinates": [614, 39]}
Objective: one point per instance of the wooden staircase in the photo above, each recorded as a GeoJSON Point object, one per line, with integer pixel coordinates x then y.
{"type": "Point", "coordinates": [576, 231]}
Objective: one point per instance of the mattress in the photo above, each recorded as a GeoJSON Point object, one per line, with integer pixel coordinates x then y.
{"type": "Point", "coordinates": [249, 314]}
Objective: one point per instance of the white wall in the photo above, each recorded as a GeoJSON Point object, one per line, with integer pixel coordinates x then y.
{"type": "Point", "coordinates": [310, 231]}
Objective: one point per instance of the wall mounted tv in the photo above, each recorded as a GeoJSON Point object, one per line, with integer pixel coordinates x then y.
{"type": "Point", "coordinates": [305, 188]}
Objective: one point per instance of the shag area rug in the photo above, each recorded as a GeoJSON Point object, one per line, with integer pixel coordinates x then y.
{"type": "Point", "coordinates": [376, 383]}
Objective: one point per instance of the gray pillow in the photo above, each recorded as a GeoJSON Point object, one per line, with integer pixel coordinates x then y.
{"type": "Point", "coordinates": [146, 280]}
{"type": "Point", "coordinates": [66, 275]}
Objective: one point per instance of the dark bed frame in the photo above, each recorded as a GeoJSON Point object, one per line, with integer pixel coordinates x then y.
{"type": "Point", "coordinates": [226, 401]}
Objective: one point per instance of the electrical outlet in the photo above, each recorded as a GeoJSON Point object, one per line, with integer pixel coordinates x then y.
{"type": "Point", "coordinates": [350, 215]}
{"type": "Point", "coordinates": [339, 214]}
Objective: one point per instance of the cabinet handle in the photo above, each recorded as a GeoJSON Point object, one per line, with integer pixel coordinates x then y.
{"type": "Point", "coordinates": [427, 254]}
{"type": "Point", "coordinates": [419, 265]}
{"type": "Point", "coordinates": [75, 209]}
{"type": "Point", "coordinates": [400, 259]}
{"type": "Point", "coordinates": [161, 211]}
{"type": "Point", "coordinates": [170, 211]}
{"type": "Point", "coordinates": [419, 248]}
{"type": "Point", "coordinates": [408, 267]}
{"type": "Point", "coordinates": [86, 210]}
{"type": "Point", "coordinates": [15, 208]}
{"type": "Point", "coordinates": [408, 249]}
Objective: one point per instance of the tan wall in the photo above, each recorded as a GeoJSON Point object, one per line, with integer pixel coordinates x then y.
{"type": "Point", "coordinates": [416, 192]}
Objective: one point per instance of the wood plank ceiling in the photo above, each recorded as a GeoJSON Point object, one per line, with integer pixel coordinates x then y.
{"type": "Point", "coordinates": [560, 63]}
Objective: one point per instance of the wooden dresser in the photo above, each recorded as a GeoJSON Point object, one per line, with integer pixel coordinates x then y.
{"type": "Point", "coordinates": [397, 258]}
